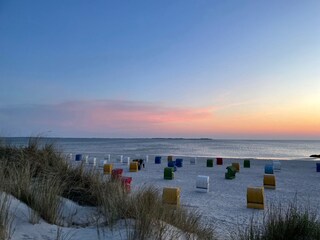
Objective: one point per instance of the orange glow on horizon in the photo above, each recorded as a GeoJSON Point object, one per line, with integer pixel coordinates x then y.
{"type": "Point", "coordinates": [206, 121]}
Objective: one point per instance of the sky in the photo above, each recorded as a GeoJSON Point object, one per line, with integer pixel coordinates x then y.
{"type": "Point", "coordinates": [218, 69]}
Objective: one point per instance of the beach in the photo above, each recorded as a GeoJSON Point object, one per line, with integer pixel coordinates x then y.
{"type": "Point", "coordinates": [224, 206]}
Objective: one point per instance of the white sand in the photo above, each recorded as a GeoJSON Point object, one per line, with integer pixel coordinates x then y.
{"type": "Point", "coordinates": [224, 206]}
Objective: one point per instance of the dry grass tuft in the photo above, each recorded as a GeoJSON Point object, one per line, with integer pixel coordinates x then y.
{"type": "Point", "coordinates": [283, 222]}
{"type": "Point", "coordinates": [153, 219]}
{"type": "Point", "coordinates": [6, 220]}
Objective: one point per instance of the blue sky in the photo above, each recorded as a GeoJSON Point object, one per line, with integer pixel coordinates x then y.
{"type": "Point", "coordinates": [230, 58]}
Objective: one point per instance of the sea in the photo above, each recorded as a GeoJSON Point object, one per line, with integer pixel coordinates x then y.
{"type": "Point", "coordinates": [203, 147]}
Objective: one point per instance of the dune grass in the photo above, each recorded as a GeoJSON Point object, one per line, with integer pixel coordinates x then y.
{"type": "Point", "coordinates": [150, 216]}
{"type": "Point", "coordinates": [282, 222]}
{"type": "Point", "coordinates": [155, 220]}
{"type": "Point", "coordinates": [6, 227]}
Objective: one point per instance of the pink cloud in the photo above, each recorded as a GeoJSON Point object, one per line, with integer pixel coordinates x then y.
{"type": "Point", "coordinates": [123, 118]}
{"type": "Point", "coordinates": [114, 118]}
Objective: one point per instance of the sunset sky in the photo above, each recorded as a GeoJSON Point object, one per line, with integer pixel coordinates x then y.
{"type": "Point", "coordinates": [217, 69]}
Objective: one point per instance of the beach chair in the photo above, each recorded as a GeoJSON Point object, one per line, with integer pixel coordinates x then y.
{"type": "Point", "coordinates": [231, 172]}
{"type": "Point", "coordinates": [108, 158]}
{"type": "Point", "coordinates": [134, 167]}
{"type": "Point", "coordinates": [86, 159]}
{"type": "Point", "coordinates": [126, 183]}
{"type": "Point", "coordinates": [219, 161]}
{"type": "Point", "coordinates": [179, 162]}
{"type": "Point", "coordinates": [202, 183]}
{"type": "Point", "coordinates": [193, 161]}
{"type": "Point", "coordinates": [78, 157]}
{"type": "Point", "coordinates": [276, 165]}
{"type": "Point", "coordinates": [209, 162]}
{"type": "Point", "coordinates": [140, 163]}
{"type": "Point", "coordinates": [172, 164]}
{"type": "Point", "coordinates": [116, 173]}
{"type": "Point", "coordinates": [268, 169]}
{"type": "Point", "coordinates": [94, 161]}
{"type": "Point", "coordinates": [246, 163]}
{"type": "Point", "coordinates": [69, 156]}
{"type": "Point", "coordinates": [168, 173]}
{"type": "Point", "coordinates": [126, 161]}
{"type": "Point", "coordinates": [255, 197]}
{"type": "Point", "coordinates": [269, 181]}
{"type": "Point", "coordinates": [107, 168]}
{"type": "Point", "coordinates": [171, 195]}
{"type": "Point", "coordinates": [157, 160]}
{"type": "Point", "coordinates": [236, 165]}
{"type": "Point", "coordinates": [102, 163]}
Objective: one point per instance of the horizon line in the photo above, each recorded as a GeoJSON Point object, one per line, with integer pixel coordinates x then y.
{"type": "Point", "coordinates": [172, 138]}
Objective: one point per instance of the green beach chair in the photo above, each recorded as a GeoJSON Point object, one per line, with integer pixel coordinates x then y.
{"type": "Point", "coordinates": [168, 173]}
{"type": "Point", "coordinates": [209, 162]}
{"type": "Point", "coordinates": [231, 172]}
{"type": "Point", "coordinates": [246, 163]}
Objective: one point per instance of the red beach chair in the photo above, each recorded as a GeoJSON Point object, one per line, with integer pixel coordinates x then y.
{"type": "Point", "coordinates": [219, 161]}
{"type": "Point", "coordinates": [126, 181]}
{"type": "Point", "coordinates": [116, 173]}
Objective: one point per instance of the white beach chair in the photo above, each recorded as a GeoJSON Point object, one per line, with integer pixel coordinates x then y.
{"type": "Point", "coordinates": [127, 162]}
{"type": "Point", "coordinates": [202, 183]}
{"type": "Point", "coordinates": [107, 158]}
{"type": "Point", "coordinates": [193, 161]}
{"type": "Point", "coordinates": [94, 161]}
{"type": "Point", "coordinates": [102, 163]}
{"type": "Point", "coordinates": [276, 165]}
{"type": "Point", "coordinates": [69, 156]}
{"type": "Point", "coordinates": [86, 159]}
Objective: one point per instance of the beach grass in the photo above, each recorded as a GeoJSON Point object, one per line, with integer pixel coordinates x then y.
{"type": "Point", "coordinates": [6, 227]}
{"type": "Point", "coordinates": [152, 216]}
{"type": "Point", "coordinates": [290, 221]}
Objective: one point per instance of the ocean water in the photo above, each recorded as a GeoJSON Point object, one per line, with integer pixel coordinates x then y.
{"type": "Point", "coordinates": [259, 149]}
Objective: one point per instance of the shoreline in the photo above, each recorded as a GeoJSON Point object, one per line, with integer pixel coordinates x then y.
{"type": "Point", "coordinates": [116, 157]}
